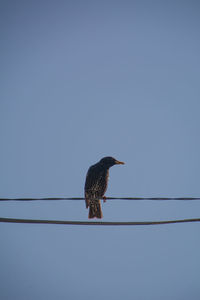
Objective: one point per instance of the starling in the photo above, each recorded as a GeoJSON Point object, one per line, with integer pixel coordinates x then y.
{"type": "Point", "coordinates": [96, 185]}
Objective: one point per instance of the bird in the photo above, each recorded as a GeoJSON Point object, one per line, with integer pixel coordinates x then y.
{"type": "Point", "coordinates": [96, 184]}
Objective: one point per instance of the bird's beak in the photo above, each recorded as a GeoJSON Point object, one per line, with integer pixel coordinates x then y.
{"type": "Point", "coordinates": [119, 162]}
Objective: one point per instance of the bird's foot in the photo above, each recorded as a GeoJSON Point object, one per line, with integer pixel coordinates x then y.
{"type": "Point", "coordinates": [104, 199]}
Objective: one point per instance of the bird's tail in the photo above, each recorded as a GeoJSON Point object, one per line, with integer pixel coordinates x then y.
{"type": "Point", "coordinates": [95, 210]}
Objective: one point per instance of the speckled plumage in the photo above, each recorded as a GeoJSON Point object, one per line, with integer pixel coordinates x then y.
{"type": "Point", "coordinates": [96, 185]}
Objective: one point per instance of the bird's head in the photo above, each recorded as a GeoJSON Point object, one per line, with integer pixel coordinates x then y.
{"type": "Point", "coordinates": [109, 161]}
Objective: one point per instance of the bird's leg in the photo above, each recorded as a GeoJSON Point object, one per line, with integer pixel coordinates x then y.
{"type": "Point", "coordinates": [104, 199]}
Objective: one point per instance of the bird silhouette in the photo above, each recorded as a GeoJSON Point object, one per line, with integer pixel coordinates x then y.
{"type": "Point", "coordinates": [96, 184]}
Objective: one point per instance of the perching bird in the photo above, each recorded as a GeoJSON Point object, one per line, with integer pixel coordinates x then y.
{"type": "Point", "coordinates": [96, 185]}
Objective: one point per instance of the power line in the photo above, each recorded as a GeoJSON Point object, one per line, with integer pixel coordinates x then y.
{"type": "Point", "coordinates": [60, 222]}
{"type": "Point", "coordinates": [108, 198]}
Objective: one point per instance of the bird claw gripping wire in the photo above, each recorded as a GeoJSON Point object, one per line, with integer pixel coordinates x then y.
{"type": "Point", "coordinates": [104, 199]}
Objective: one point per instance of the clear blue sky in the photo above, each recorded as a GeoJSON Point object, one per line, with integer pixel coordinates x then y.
{"type": "Point", "coordinates": [81, 80]}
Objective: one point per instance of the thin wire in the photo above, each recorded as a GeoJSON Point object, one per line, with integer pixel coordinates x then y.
{"type": "Point", "coordinates": [60, 222]}
{"type": "Point", "coordinates": [108, 198]}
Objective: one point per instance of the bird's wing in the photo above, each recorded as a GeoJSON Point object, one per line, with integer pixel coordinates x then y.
{"type": "Point", "coordinates": [95, 184]}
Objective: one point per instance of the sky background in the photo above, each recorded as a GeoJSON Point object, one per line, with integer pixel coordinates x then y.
{"type": "Point", "coordinates": [81, 80]}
